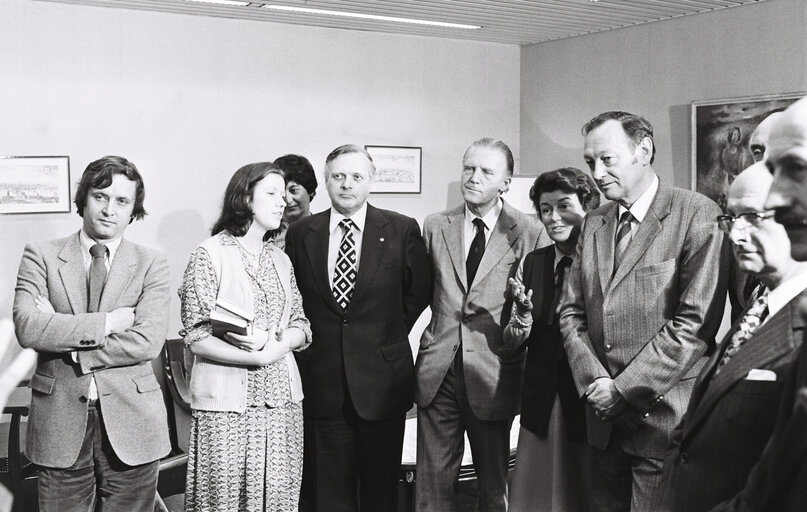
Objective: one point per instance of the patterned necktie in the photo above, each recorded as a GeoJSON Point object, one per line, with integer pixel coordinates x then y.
{"type": "Point", "coordinates": [97, 276]}
{"type": "Point", "coordinates": [622, 237]}
{"type": "Point", "coordinates": [344, 274]}
{"type": "Point", "coordinates": [749, 324]}
{"type": "Point", "coordinates": [560, 276]}
{"type": "Point", "coordinates": [476, 252]}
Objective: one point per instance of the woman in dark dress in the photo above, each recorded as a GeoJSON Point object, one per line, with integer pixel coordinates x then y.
{"type": "Point", "coordinates": [551, 472]}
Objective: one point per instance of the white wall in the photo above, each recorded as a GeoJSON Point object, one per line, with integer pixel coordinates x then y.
{"type": "Point", "coordinates": [657, 70]}
{"type": "Point", "coordinates": [190, 99]}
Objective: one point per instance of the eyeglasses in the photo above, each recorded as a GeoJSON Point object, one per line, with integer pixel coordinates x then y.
{"type": "Point", "coordinates": [752, 219]}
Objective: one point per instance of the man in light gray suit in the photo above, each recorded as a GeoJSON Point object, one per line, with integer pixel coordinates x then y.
{"type": "Point", "coordinates": [465, 379]}
{"type": "Point", "coordinates": [95, 308]}
{"type": "Point", "coordinates": [641, 308]}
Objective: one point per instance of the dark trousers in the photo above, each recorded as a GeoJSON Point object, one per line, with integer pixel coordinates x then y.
{"type": "Point", "coordinates": [622, 480]}
{"type": "Point", "coordinates": [351, 464]}
{"type": "Point", "coordinates": [440, 446]}
{"type": "Point", "coordinates": [98, 481]}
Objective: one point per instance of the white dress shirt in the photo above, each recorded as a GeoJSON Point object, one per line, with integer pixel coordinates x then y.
{"type": "Point", "coordinates": [335, 237]}
{"type": "Point", "coordinates": [786, 291]}
{"type": "Point", "coordinates": [640, 208]}
{"type": "Point", "coordinates": [469, 230]}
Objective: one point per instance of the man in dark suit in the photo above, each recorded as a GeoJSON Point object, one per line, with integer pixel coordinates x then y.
{"type": "Point", "coordinates": [467, 380]}
{"type": "Point", "coordinates": [640, 309]}
{"type": "Point", "coordinates": [365, 279]}
{"type": "Point", "coordinates": [778, 482]}
{"type": "Point", "coordinates": [733, 406]}
{"type": "Point", "coordinates": [95, 308]}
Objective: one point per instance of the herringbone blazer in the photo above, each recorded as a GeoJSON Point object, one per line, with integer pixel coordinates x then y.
{"type": "Point", "coordinates": [133, 409]}
{"type": "Point", "coordinates": [649, 326]}
{"type": "Point", "coordinates": [730, 418]}
{"type": "Point", "coordinates": [471, 316]}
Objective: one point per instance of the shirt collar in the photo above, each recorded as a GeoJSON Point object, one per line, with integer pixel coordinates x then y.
{"type": "Point", "coordinates": [787, 290]}
{"type": "Point", "coordinates": [87, 242]}
{"type": "Point", "coordinates": [640, 208]}
{"type": "Point", "coordinates": [490, 219]}
{"type": "Point", "coordinates": [359, 218]}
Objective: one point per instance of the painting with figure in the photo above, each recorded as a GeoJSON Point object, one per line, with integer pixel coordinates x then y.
{"type": "Point", "coordinates": [721, 130]}
{"type": "Point", "coordinates": [35, 184]}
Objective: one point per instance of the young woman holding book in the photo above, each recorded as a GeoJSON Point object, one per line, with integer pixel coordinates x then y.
{"type": "Point", "coordinates": [246, 440]}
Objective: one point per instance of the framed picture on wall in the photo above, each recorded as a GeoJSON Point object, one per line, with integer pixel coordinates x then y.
{"type": "Point", "coordinates": [34, 184]}
{"type": "Point", "coordinates": [721, 131]}
{"type": "Point", "coordinates": [398, 169]}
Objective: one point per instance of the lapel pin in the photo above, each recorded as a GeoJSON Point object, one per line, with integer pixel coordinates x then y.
{"type": "Point", "coordinates": [380, 239]}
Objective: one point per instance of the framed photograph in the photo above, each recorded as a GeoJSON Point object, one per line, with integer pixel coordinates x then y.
{"type": "Point", "coordinates": [34, 184]}
{"type": "Point", "coordinates": [721, 130]}
{"type": "Point", "coordinates": [398, 169]}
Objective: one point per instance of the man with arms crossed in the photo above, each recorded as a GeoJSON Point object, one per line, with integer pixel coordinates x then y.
{"type": "Point", "coordinates": [733, 407]}
{"type": "Point", "coordinates": [641, 307]}
{"type": "Point", "coordinates": [365, 278]}
{"type": "Point", "coordinates": [466, 379]}
{"type": "Point", "coordinates": [95, 308]}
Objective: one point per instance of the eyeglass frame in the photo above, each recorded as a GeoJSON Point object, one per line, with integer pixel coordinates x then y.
{"type": "Point", "coordinates": [752, 219]}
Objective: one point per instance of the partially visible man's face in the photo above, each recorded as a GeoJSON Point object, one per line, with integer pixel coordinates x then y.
{"type": "Point", "coordinates": [484, 177]}
{"type": "Point", "coordinates": [109, 210]}
{"type": "Point", "coordinates": [758, 142]}
{"type": "Point", "coordinates": [787, 160]}
{"type": "Point", "coordinates": [615, 162]}
{"type": "Point", "coordinates": [348, 179]}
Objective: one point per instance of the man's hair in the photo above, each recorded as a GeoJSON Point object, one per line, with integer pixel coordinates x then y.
{"type": "Point", "coordinates": [569, 180]}
{"type": "Point", "coordinates": [346, 149]}
{"type": "Point", "coordinates": [636, 127]}
{"type": "Point", "coordinates": [489, 142]}
{"type": "Point", "coordinates": [298, 169]}
{"type": "Point", "coordinates": [236, 214]}
{"type": "Point", "coordinates": [99, 174]}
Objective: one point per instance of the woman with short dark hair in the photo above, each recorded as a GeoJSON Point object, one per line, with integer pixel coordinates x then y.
{"type": "Point", "coordinates": [551, 470]}
{"type": "Point", "coordinates": [246, 438]}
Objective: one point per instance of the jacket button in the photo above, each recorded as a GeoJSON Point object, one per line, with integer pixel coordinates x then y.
{"type": "Point", "coordinates": [683, 458]}
{"type": "Point", "coordinates": [82, 399]}
{"type": "Point", "coordinates": [607, 347]}
{"type": "Point", "coordinates": [454, 347]}
{"type": "Point", "coordinates": [344, 321]}
{"type": "Point", "coordinates": [465, 319]}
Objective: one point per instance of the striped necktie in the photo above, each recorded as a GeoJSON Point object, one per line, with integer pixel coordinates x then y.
{"type": "Point", "coordinates": [623, 237]}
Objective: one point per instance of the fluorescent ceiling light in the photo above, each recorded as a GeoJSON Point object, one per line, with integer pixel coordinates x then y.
{"type": "Point", "coordinates": [375, 17]}
{"type": "Point", "coordinates": [221, 2]}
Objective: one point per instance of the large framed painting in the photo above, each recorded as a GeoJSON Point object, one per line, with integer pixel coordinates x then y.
{"type": "Point", "coordinates": [397, 169]}
{"type": "Point", "coordinates": [721, 130]}
{"type": "Point", "coordinates": [34, 184]}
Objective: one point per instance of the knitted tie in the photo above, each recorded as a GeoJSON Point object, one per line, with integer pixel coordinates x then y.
{"type": "Point", "coordinates": [560, 276]}
{"type": "Point", "coordinates": [476, 252]}
{"type": "Point", "coordinates": [622, 237]}
{"type": "Point", "coordinates": [344, 274]}
{"type": "Point", "coordinates": [749, 324]}
{"type": "Point", "coordinates": [97, 276]}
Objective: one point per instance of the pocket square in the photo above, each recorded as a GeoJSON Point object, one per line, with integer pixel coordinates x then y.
{"type": "Point", "coordinates": [756, 374]}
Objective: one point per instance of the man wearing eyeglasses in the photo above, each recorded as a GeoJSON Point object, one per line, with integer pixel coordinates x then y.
{"type": "Point", "coordinates": [734, 404]}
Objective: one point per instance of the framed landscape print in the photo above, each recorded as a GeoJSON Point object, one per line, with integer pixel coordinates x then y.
{"type": "Point", "coordinates": [34, 184]}
{"type": "Point", "coordinates": [721, 130]}
{"type": "Point", "coordinates": [398, 169]}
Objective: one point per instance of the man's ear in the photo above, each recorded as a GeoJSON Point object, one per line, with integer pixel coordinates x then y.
{"type": "Point", "coordinates": [505, 186]}
{"type": "Point", "coordinates": [645, 150]}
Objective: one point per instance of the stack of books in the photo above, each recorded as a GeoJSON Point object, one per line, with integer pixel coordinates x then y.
{"type": "Point", "coordinates": [229, 317]}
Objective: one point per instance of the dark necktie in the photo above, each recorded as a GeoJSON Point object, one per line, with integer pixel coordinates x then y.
{"type": "Point", "coordinates": [561, 271]}
{"type": "Point", "coordinates": [476, 252]}
{"type": "Point", "coordinates": [344, 274]}
{"type": "Point", "coordinates": [622, 238]}
{"type": "Point", "coordinates": [753, 318]}
{"type": "Point", "coordinates": [97, 276]}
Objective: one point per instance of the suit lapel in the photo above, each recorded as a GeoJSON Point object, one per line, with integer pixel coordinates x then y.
{"type": "Point", "coordinates": [316, 247]}
{"type": "Point", "coordinates": [73, 275]}
{"type": "Point", "coordinates": [645, 234]}
{"type": "Point", "coordinates": [604, 240]}
{"type": "Point", "coordinates": [452, 234]}
{"type": "Point", "coordinates": [120, 274]}
{"type": "Point", "coordinates": [375, 241]}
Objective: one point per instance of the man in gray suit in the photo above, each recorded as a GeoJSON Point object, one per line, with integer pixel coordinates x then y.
{"type": "Point", "coordinates": [95, 308]}
{"type": "Point", "coordinates": [734, 404]}
{"type": "Point", "coordinates": [641, 307]}
{"type": "Point", "coordinates": [466, 380]}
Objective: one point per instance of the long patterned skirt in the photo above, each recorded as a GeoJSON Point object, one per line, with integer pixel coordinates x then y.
{"type": "Point", "coordinates": [245, 462]}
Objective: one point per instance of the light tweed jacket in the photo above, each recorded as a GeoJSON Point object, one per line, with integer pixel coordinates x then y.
{"type": "Point", "coordinates": [649, 326]}
{"type": "Point", "coordinates": [472, 317]}
{"type": "Point", "coordinates": [134, 412]}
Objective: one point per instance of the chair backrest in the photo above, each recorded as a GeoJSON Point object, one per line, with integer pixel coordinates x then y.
{"type": "Point", "coordinates": [176, 375]}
